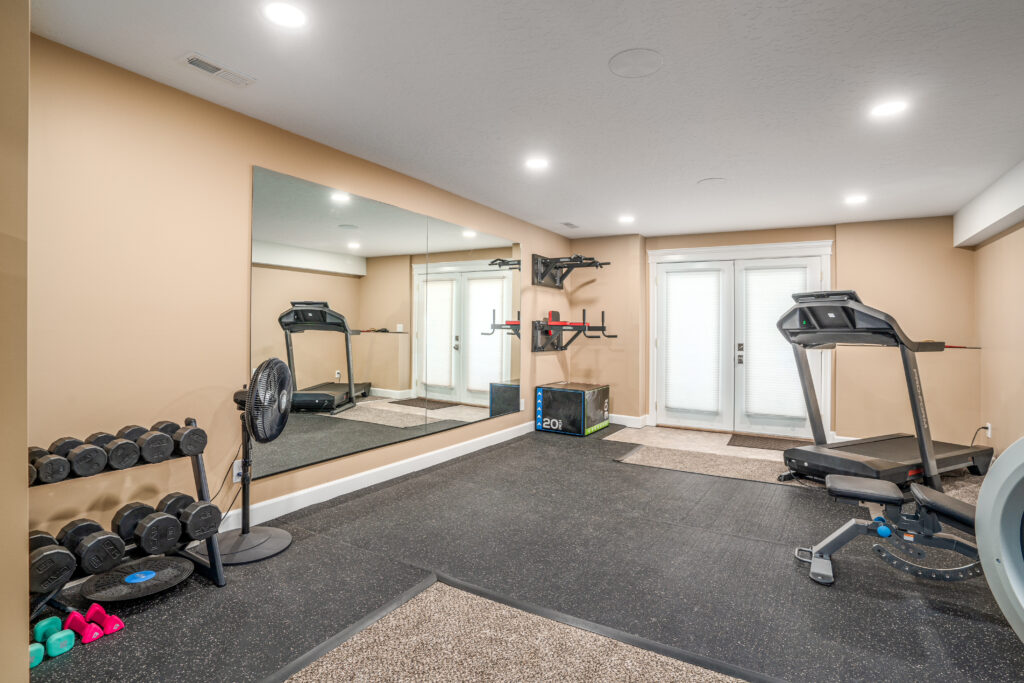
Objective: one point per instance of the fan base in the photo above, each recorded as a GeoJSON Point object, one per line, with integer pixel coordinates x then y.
{"type": "Point", "coordinates": [260, 543]}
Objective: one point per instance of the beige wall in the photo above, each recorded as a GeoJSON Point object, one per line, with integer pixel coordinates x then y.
{"type": "Point", "coordinates": [148, 267]}
{"type": "Point", "coordinates": [317, 355]}
{"type": "Point", "coordinates": [14, 82]}
{"type": "Point", "coordinates": [617, 289]}
{"type": "Point", "coordinates": [911, 270]}
{"type": "Point", "coordinates": [1000, 282]}
{"type": "Point", "coordinates": [385, 295]}
{"type": "Point", "coordinates": [383, 359]}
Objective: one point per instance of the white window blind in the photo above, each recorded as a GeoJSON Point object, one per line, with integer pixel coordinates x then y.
{"type": "Point", "coordinates": [484, 360]}
{"type": "Point", "coordinates": [692, 316]}
{"type": "Point", "coordinates": [772, 385]}
{"type": "Point", "coordinates": [439, 336]}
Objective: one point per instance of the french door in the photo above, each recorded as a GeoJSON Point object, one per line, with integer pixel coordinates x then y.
{"type": "Point", "coordinates": [721, 361]}
{"type": "Point", "coordinates": [454, 360]}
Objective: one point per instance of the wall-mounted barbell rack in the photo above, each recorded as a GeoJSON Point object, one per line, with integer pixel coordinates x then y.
{"type": "Point", "coordinates": [506, 264]}
{"type": "Point", "coordinates": [548, 334]}
{"type": "Point", "coordinates": [551, 272]}
{"type": "Point", "coordinates": [511, 325]}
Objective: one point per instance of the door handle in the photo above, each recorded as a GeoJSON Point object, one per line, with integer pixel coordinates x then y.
{"type": "Point", "coordinates": [455, 346]}
{"type": "Point", "coordinates": [739, 359]}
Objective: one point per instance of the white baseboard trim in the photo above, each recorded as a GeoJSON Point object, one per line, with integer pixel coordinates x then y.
{"type": "Point", "coordinates": [276, 507]}
{"type": "Point", "coordinates": [634, 421]}
{"type": "Point", "coordinates": [399, 394]}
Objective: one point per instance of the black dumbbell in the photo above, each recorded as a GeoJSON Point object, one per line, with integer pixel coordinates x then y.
{"type": "Point", "coordinates": [97, 549]}
{"type": "Point", "coordinates": [154, 533]}
{"type": "Point", "coordinates": [121, 453]}
{"type": "Point", "coordinates": [50, 467]}
{"type": "Point", "coordinates": [154, 446]}
{"type": "Point", "coordinates": [85, 458]}
{"type": "Point", "coordinates": [199, 520]}
{"type": "Point", "coordinates": [168, 427]}
{"type": "Point", "coordinates": [190, 440]}
{"type": "Point", "coordinates": [32, 474]}
{"type": "Point", "coordinates": [50, 565]}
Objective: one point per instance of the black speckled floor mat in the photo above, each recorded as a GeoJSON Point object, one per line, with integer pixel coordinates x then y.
{"type": "Point", "coordinates": [702, 564]}
{"type": "Point", "coordinates": [269, 614]}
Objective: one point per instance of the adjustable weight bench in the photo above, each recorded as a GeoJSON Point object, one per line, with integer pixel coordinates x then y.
{"type": "Point", "coordinates": [906, 531]}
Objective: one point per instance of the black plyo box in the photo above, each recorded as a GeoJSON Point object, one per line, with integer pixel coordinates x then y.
{"type": "Point", "coordinates": [504, 398]}
{"type": "Point", "coordinates": [572, 408]}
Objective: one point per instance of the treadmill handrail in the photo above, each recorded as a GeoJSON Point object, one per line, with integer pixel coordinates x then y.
{"type": "Point", "coordinates": [318, 316]}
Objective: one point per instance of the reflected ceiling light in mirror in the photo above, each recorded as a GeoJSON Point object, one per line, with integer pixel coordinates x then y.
{"type": "Point", "coordinates": [341, 197]}
{"type": "Point", "coordinates": [627, 219]}
{"type": "Point", "coordinates": [353, 245]}
{"type": "Point", "coordinates": [283, 14]}
{"type": "Point", "coordinates": [854, 199]}
{"type": "Point", "coordinates": [537, 163]}
{"type": "Point", "coordinates": [469, 233]}
{"type": "Point", "coordinates": [889, 109]}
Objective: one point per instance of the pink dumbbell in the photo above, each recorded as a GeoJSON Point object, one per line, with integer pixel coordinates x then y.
{"type": "Point", "coordinates": [108, 622]}
{"type": "Point", "coordinates": [77, 623]}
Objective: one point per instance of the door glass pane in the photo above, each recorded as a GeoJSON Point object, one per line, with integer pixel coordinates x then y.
{"type": "Point", "coordinates": [440, 314]}
{"type": "Point", "coordinates": [772, 385]}
{"type": "Point", "coordinates": [692, 340]}
{"type": "Point", "coordinates": [484, 361]}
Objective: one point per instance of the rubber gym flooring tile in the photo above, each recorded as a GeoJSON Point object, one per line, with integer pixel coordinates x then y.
{"type": "Point", "coordinates": [703, 564]}
{"type": "Point", "coordinates": [269, 614]}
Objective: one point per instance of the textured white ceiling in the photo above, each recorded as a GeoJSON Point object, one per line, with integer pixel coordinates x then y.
{"type": "Point", "coordinates": [771, 95]}
{"type": "Point", "coordinates": [296, 212]}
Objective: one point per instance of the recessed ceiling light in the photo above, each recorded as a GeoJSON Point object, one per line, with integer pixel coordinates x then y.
{"type": "Point", "coordinates": [353, 245]}
{"type": "Point", "coordinates": [283, 14]}
{"type": "Point", "coordinates": [854, 199]}
{"type": "Point", "coordinates": [885, 110]}
{"type": "Point", "coordinates": [537, 163]}
{"type": "Point", "coordinates": [711, 181]}
{"type": "Point", "coordinates": [341, 197]}
{"type": "Point", "coordinates": [469, 233]}
{"type": "Point", "coordinates": [626, 219]}
{"type": "Point", "coordinates": [636, 62]}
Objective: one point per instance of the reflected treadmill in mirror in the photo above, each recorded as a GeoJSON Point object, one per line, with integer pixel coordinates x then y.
{"type": "Point", "coordinates": [395, 325]}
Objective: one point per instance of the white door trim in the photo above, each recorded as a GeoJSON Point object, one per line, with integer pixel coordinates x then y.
{"type": "Point", "coordinates": [822, 248]}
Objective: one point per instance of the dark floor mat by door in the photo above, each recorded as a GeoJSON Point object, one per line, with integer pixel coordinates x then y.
{"type": "Point", "coordinates": [772, 443]}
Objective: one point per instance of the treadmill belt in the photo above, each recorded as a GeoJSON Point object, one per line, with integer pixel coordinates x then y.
{"type": "Point", "coordinates": [901, 449]}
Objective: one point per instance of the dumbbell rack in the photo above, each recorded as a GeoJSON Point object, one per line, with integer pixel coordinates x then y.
{"type": "Point", "coordinates": [212, 568]}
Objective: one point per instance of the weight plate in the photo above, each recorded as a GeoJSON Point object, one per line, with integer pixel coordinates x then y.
{"type": "Point", "coordinates": [87, 460]}
{"type": "Point", "coordinates": [72, 533]}
{"type": "Point", "coordinates": [127, 518]}
{"type": "Point", "coordinates": [100, 551]}
{"type": "Point", "coordinates": [50, 567]}
{"type": "Point", "coordinates": [166, 426]}
{"type": "Point", "coordinates": [190, 441]}
{"type": "Point", "coordinates": [52, 468]}
{"type": "Point", "coordinates": [121, 454]}
{"type": "Point", "coordinates": [131, 432]}
{"type": "Point", "coordinates": [174, 503]}
{"type": "Point", "coordinates": [137, 579]}
{"type": "Point", "coordinates": [100, 439]}
{"type": "Point", "coordinates": [63, 445]}
{"type": "Point", "coordinates": [157, 533]}
{"type": "Point", "coordinates": [155, 446]}
{"type": "Point", "coordinates": [200, 520]}
{"type": "Point", "coordinates": [39, 539]}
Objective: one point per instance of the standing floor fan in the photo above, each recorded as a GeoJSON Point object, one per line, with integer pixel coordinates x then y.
{"type": "Point", "coordinates": [264, 415]}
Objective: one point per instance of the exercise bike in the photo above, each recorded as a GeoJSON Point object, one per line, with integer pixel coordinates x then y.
{"type": "Point", "coordinates": [997, 523]}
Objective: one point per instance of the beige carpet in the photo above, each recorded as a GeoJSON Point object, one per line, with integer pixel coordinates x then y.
{"type": "Point", "coordinates": [692, 440]}
{"type": "Point", "coordinates": [445, 634]}
{"type": "Point", "coordinates": [963, 486]}
{"type": "Point", "coordinates": [371, 413]}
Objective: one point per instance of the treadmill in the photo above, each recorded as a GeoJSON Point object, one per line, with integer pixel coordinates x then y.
{"type": "Point", "coordinates": [821, 320]}
{"type": "Point", "coordinates": [332, 397]}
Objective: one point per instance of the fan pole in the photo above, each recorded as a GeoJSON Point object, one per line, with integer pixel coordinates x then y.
{"type": "Point", "coordinates": [246, 474]}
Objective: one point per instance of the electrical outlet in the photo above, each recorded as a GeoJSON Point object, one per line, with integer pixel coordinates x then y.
{"type": "Point", "coordinates": [337, 374]}
{"type": "Point", "coordinates": [236, 472]}
{"type": "Point", "coordinates": [988, 429]}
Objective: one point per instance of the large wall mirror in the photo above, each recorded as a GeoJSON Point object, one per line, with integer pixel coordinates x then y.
{"type": "Point", "coordinates": [396, 325]}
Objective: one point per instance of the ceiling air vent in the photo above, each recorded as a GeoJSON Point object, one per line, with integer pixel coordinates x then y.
{"type": "Point", "coordinates": [200, 62]}
{"type": "Point", "coordinates": [570, 226]}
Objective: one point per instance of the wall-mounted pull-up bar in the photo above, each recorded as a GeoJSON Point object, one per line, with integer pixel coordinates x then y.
{"type": "Point", "coordinates": [548, 334]}
{"type": "Point", "coordinates": [506, 264]}
{"type": "Point", "coordinates": [511, 325]}
{"type": "Point", "coordinates": [551, 272]}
